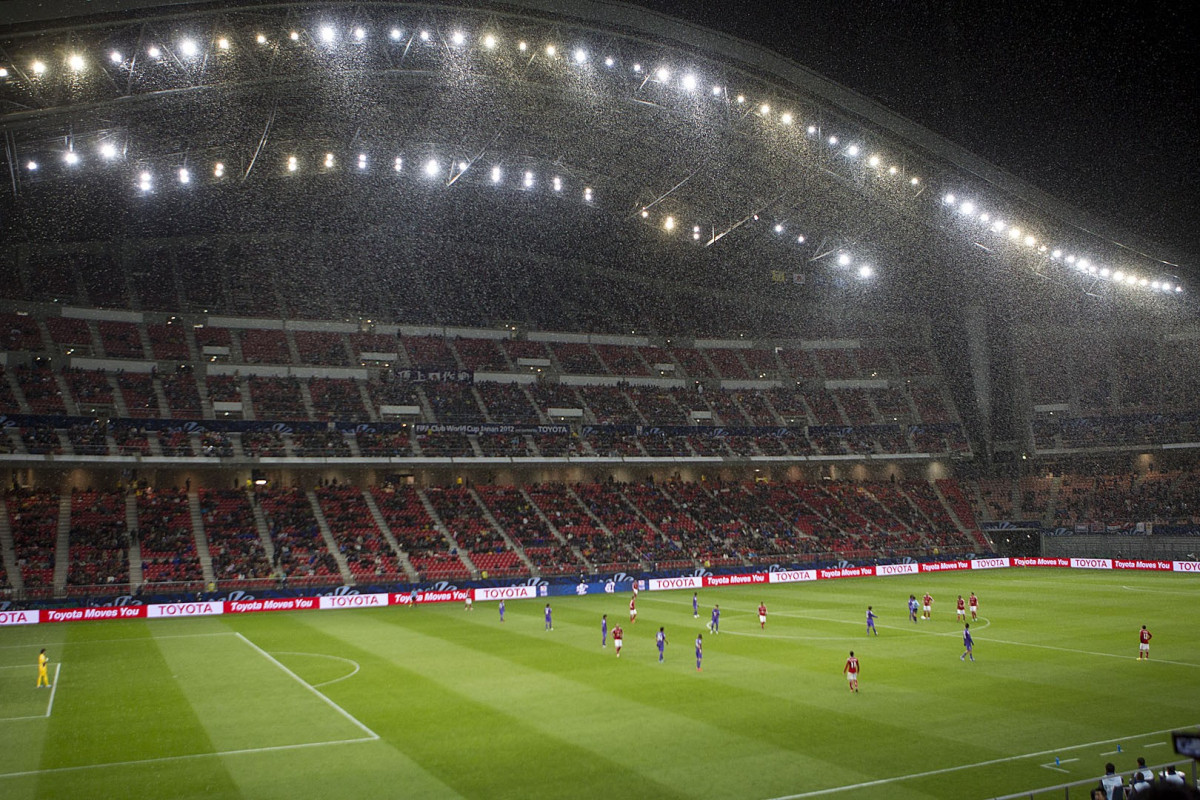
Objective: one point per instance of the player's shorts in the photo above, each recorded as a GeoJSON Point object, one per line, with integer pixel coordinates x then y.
{"type": "Point", "coordinates": [974, 608]}
{"type": "Point", "coordinates": [851, 676]}
{"type": "Point", "coordinates": [762, 618]}
{"type": "Point", "coordinates": [928, 609]}
{"type": "Point", "coordinates": [1144, 647]}
{"type": "Point", "coordinates": [617, 642]}
{"type": "Point", "coordinates": [633, 612]}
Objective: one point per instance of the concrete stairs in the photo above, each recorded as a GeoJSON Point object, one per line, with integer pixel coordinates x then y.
{"type": "Point", "coordinates": [136, 578]}
{"type": "Point", "coordinates": [389, 537]}
{"type": "Point", "coordinates": [327, 535]}
{"type": "Point", "coordinates": [202, 551]}
{"type": "Point", "coordinates": [62, 546]}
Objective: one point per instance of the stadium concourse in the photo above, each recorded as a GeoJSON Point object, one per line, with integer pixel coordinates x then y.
{"type": "Point", "coordinates": [299, 297]}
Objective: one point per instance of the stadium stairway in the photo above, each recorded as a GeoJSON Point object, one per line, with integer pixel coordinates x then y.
{"type": "Point", "coordinates": [67, 397]}
{"type": "Point", "coordinates": [970, 533]}
{"type": "Point", "coordinates": [495, 523]}
{"type": "Point", "coordinates": [8, 553]}
{"type": "Point", "coordinates": [306, 399]}
{"type": "Point", "coordinates": [202, 551]}
{"type": "Point", "coordinates": [160, 397]}
{"type": "Point", "coordinates": [389, 537]}
{"type": "Point", "coordinates": [327, 535]}
{"type": "Point", "coordinates": [136, 578]}
{"type": "Point", "coordinates": [15, 387]}
{"type": "Point", "coordinates": [62, 546]}
{"type": "Point", "coordinates": [368, 403]}
{"type": "Point", "coordinates": [555, 531]}
{"type": "Point", "coordinates": [119, 404]}
{"type": "Point", "coordinates": [445, 532]}
{"type": "Point", "coordinates": [264, 532]}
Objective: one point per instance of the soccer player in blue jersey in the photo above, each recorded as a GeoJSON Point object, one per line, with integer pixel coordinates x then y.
{"type": "Point", "coordinates": [871, 622]}
{"type": "Point", "coordinates": [699, 649]}
{"type": "Point", "coordinates": [604, 631]}
{"type": "Point", "coordinates": [502, 611]}
{"type": "Point", "coordinates": [714, 624]}
{"type": "Point", "coordinates": [968, 643]}
{"type": "Point", "coordinates": [549, 621]}
{"type": "Point", "coordinates": [912, 607]}
{"type": "Point", "coordinates": [695, 606]}
{"type": "Point", "coordinates": [660, 639]}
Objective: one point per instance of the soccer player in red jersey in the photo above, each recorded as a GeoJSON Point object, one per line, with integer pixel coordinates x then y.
{"type": "Point", "coordinates": [851, 671]}
{"type": "Point", "coordinates": [1144, 638]}
{"type": "Point", "coordinates": [974, 603]}
{"type": "Point", "coordinates": [762, 616]}
{"type": "Point", "coordinates": [618, 638]}
{"type": "Point", "coordinates": [633, 609]}
{"type": "Point", "coordinates": [962, 609]}
{"type": "Point", "coordinates": [927, 604]}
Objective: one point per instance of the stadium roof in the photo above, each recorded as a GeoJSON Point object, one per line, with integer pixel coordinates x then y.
{"type": "Point", "coordinates": [713, 144]}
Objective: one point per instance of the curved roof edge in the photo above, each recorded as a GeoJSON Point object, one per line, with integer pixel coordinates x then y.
{"type": "Point", "coordinates": [757, 58]}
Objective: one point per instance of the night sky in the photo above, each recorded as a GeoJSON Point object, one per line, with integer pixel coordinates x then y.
{"type": "Point", "coordinates": [1093, 102]}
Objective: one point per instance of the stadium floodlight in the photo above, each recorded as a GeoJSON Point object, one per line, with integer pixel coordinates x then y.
{"type": "Point", "coordinates": [31, 166]}
{"type": "Point", "coordinates": [669, 224]}
{"type": "Point", "coordinates": [294, 36]}
{"type": "Point", "coordinates": [716, 90]}
{"type": "Point", "coordinates": [608, 61]}
{"type": "Point", "coordinates": [1084, 263]}
{"type": "Point", "coordinates": [967, 208]}
{"type": "Point", "coordinates": [663, 74]}
{"type": "Point", "coordinates": [328, 34]}
{"type": "Point", "coordinates": [1143, 282]}
{"type": "Point", "coordinates": [843, 259]}
{"type": "Point", "coordinates": [522, 46]}
{"type": "Point", "coordinates": [985, 217]}
{"type": "Point", "coordinates": [581, 56]}
{"type": "Point", "coordinates": [359, 34]}
{"type": "Point", "coordinates": [1014, 233]}
{"type": "Point", "coordinates": [398, 164]}
{"type": "Point", "coordinates": [873, 161]}
{"type": "Point", "coordinates": [260, 39]}
{"type": "Point", "coordinates": [800, 239]}
{"type": "Point", "coordinates": [489, 42]}
{"type": "Point", "coordinates": [557, 184]}
{"type": "Point", "coordinates": [786, 118]}
{"type": "Point", "coordinates": [779, 227]}
{"type": "Point", "coordinates": [645, 213]}
{"type": "Point", "coordinates": [3, 72]}
{"type": "Point", "coordinates": [1179, 288]}
{"type": "Point", "coordinates": [145, 177]}
{"type": "Point", "coordinates": [999, 226]}
{"type": "Point", "coordinates": [914, 181]}
{"type": "Point", "coordinates": [893, 170]}
{"type": "Point", "coordinates": [1155, 285]}
{"type": "Point", "coordinates": [497, 174]}
{"type": "Point", "coordinates": [528, 180]}
{"type": "Point", "coordinates": [811, 130]}
{"type": "Point", "coordinates": [587, 194]}
{"type": "Point", "coordinates": [865, 272]}
{"type": "Point", "coordinates": [637, 67]}
{"type": "Point", "coordinates": [833, 140]}
{"type": "Point", "coordinates": [154, 52]}
{"type": "Point", "coordinates": [71, 157]}
{"type": "Point", "coordinates": [222, 43]}
{"type": "Point", "coordinates": [458, 37]}
{"type": "Point", "coordinates": [189, 48]}
{"type": "Point", "coordinates": [551, 50]}
{"type": "Point", "coordinates": [184, 175]}
{"type": "Point", "coordinates": [38, 67]}
{"type": "Point", "coordinates": [328, 160]}
{"type": "Point", "coordinates": [1030, 241]}
{"type": "Point", "coordinates": [696, 232]}
{"type": "Point", "coordinates": [76, 62]}
{"type": "Point", "coordinates": [362, 160]}
{"type": "Point", "coordinates": [1056, 254]}
{"type": "Point", "coordinates": [292, 164]}
{"type": "Point", "coordinates": [396, 34]}
{"type": "Point", "coordinates": [108, 150]}
{"type": "Point", "coordinates": [764, 109]}
{"type": "Point", "coordinates": [949, 199]}
{"type": "Point", "coordinates": [462, 166]}
{"type": "Point", "coordinates": [432, 168]}
{"type": "Point", "coordinates": [218, 170]}
{"type": "Point", "coordinates": [689, 82]}
{"type": "Point", "coordinates": [852, 150]}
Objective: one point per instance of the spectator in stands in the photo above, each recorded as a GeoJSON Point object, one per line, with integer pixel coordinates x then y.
{"type": "Point", "coordinates": [1111, 781]}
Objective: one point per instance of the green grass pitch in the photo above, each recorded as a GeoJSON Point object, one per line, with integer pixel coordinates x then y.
{"type": "Point", "coordinates": [438, 702]}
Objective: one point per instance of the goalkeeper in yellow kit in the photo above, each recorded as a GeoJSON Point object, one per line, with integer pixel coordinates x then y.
{"type": "Point", "coordinates": [43, 665]}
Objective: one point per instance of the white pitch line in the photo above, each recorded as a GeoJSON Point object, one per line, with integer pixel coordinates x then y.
{"type": "Point", "coordinates": [961, 767]}
{"type": "Point", "coordinates": [1089, 652]}
{"type": "Point", "coordinates": [53, 688]}
{"type": "Point", "coordinates": [310, 687]}
{"type": "Point", "coordinates": [325, 655]}
{"type": "Point", "coordinates": [188, 757]}
{"type": "Point", "coordinates": [1156, 744]}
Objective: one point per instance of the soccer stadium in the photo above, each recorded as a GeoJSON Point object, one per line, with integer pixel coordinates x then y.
{"type": "Point", "coordinates": [368, 370]}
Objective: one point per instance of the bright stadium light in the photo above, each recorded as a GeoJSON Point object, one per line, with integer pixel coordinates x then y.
{"type": "Point", "coordinates": [328, 160]}
{"type": "Point", "coordinates": [873, 161]}
{"type": "Point", "coordinates": [852, 150]}
{"type": "Point", "coordinates": [967, 208]}
{"type": "Point", "coordinates": [396, 34]}
{"type": "Point", "coordinates": [865, 272]}
{"type": "Point", "coordinates": [663, 74]}
{"type": "Point", "coordinates": [3, 72]}
{"type": "Point", "coordinates": [145, 181]}
{"type": "Point", "coordinates": [528, 181]}
{"type": "Point", "coordinates": [31, 166]}
{"type": "Point", "coordinates": [71, 158]}
{"type": "Point", "coordinates": [108, 150]}
{"type": "Point", "coordinates": [184, 175]}
{"type": "Point", "coordinates": [811, 130]}
{"type": "Point", "coordinates": [843, 259]}
{"type": "Point", "coordinates": [800, 239]}
{"type": "Point", "coordinates": [1084, 263]}
{"type": "Point", "coordinates": [153, 52]}
{"type": "Point", "coordinates": [38, 67]}
{"type": "Point", "coordinates": [949, 199]}
{"type": "Point", "coordinates": [489, 42]}
{"type": "Point", "coordinates": [328, 34]}
{"type": "Point", "coordinates": [222, 43]}
{"type": "Point", "coordinates": [637, 67]}
{"type": "Point", "coordinates": [716, 90]}
{"type": "Point", "coordinates": [189, 48]}
{"type": "Point", "coordinates": [914, 181]}
{"type": "Point", "coordinates": [608, 61]}
{"type": "Point", "coordinates": [76, 62]}
{"type": "Point", "coordinates": [432, 168]}
{"type": "Point", "coordinates": [497, 174]}
{"type": "Point", "coordinates": [645, 213]}
{"type": "Point", "coordinates": [1030, 241]}
{"type": "Point", "coordinates": [522, 46]}
{"type": "Point", "coordinates": [398, 164]}
{"type": "Point", "coordinates": [669, 224]}
{"type": "Point", "coordinates": [458, 37]}
{"type": "Point", "coordinates": [260, 39]}
{"type": "Point", "coordinates": [587, 194]}
{"type": "Point", "coordinates": [116, 57]}
{"type": "Point", "coordinates": [218, 170]}
{"type": "Point", "coordinates": [689, 82]}
{"type": "Point", "coordinates": [359, 34]}
{"type": "Point", "coordinates": [696, 232]}
{"type": "Point", "coordinates": [1014, 233]}
{"type": "Point", "coordinates": [764, 109]}
{"type": "Point", "coordinates": [294, 36]}
{"type": "Point", "coordinates": [833, 140]}
{"type": "Point", "coordinates": [786, 118]}
{"type": "Point", "coordinates": [557, 184]}
{"type": "Point", "coordinates": [985, 217]}
{"type": "Point", "coordinates": [581, 56]}
{"type": "Point", "coordinates": [1056, 254]}
{"type": "Point", "coordinates": [362, 160]}
{"type": "Point", "coordinates": [292, 164]}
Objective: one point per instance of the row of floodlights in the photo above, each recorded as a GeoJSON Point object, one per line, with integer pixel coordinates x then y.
{"type": "Point", "coordinates": [969, 210]}
{"type": "Point", "coordinates": [328, 34]}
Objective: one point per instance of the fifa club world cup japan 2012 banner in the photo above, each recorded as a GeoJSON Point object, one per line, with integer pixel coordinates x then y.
{"type": "Point", "coordinates": [341, 601]}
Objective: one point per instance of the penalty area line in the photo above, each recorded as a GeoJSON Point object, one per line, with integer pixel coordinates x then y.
{"type": "Point", "coordinates": [946, 770]}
